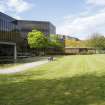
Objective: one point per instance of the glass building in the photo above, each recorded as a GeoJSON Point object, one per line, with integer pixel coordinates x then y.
{"type": "Point", "coordinates": [44, 26]}
{"type": "Point", "coordinates": [13, 34]}
{"type": "Point", "coordinates": [26, 26]}
{"type": "Point", "coordinates": [9, 36]}
{"type": "Point", "coordinates": [9, 31]}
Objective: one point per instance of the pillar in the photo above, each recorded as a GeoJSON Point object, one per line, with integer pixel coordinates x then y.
{"type": "Point", "coordinates": [15, 52]}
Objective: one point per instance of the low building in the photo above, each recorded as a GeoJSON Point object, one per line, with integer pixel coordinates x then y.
{"type": "Point", "coordinates": [79, 50]}
{"type": "Point", "coordinates": [66, 38]}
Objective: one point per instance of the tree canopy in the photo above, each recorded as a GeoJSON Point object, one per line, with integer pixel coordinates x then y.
{"type": "Point", "coordinates": [55, 41]}
{"type": "Point", "coordinates": [37, 39]}
{"type": "Point", "coordinates": [96, 41]}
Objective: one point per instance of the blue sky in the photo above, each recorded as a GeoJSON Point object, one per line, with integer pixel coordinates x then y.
{"type": "Point", "coordinates": [78, 18]}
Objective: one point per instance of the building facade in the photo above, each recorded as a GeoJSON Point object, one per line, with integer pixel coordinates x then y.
{"type": "Point", "coordinates": [26, 26]}
{"type": "Point", "coordinates": [13, 34]}
{"type": "Point", "coordinates": [44, 26]}
{"type": "Point", "coordinates": [9, 35]}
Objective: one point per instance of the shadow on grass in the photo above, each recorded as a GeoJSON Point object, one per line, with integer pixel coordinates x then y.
{"type": "Point", "coordinates": [10, 62]}
{"type": "Point", "coordinates": [37, 58]}
{"type": "Point", "coordinates": [81, 90]}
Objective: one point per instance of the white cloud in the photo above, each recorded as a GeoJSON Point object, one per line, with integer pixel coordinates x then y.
{"type": "Point", "coordinates": [2, 9]}
{"type": "Point", "coordinates": [16, 16]}
{"type": "Point", "coordinates": [2, 6]}
{"type": "Point", "coordinates": [16, 6]}
{"type": "Point", "coordinates": [19, 5]}
{"type": "Point", "coordinates": [87, 22]}
{"type": "Point", "coordinates": [81, 26]}
{"type": "Point", "coordinates": [96, 2]}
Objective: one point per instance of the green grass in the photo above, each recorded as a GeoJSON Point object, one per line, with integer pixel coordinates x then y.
{"type": "Point", "coordinates": [70, 80]}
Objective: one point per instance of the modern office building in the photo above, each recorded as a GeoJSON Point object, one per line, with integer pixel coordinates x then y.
{"type": "Point", "coordinates": [44, 26]}
{"type": "Point", "coordinates": [13, 34]}
{"type": "Point", "coordinates": [9, 36]}
{"type": "Point", "coordinates": [27, 26]}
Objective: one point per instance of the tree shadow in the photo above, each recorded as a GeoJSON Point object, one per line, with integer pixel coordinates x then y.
{"type": "Point", "coordinates": [79, 90]}
{"type": "Point", "coordinates": [10, 62]}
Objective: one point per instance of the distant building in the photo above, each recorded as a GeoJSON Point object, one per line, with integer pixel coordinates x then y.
{"type": "Point", "coordinates": [65, 38]}
{"type": "Point", "coordinates": [79, 50]}
{"type": "Point", "coordinates": [71, 38]}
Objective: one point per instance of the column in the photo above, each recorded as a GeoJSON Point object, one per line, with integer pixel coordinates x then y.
{"type": "Point", "coordinates": [15, 52]}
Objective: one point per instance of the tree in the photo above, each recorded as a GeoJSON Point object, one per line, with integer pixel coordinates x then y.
{"type": "Point", "coordinates": [97, 41]}
{"type": "Point", "coordinates": [75, 43]}
{"type": "Point", "coordinates": [37, 39]}
{"type": "Point", "coordinates": [55, 41]}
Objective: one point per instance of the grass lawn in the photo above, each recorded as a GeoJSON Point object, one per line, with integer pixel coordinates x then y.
{"type": "Point", "coordinates": [70, 80]}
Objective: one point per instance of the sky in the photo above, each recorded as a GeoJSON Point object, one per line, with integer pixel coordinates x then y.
{"type": "Point", "coordinates": [77, 18]}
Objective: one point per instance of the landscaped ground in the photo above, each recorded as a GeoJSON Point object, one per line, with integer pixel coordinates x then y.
{"type": "Point", "coordinates": [22, 61]}
{"type": "Point", "coordinates": [70, 80]}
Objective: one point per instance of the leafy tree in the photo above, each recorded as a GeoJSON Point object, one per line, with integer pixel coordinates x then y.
{"type": "Point", "coordinates": [71, 43]}
{"type": "Point", "coordinates": [55, 41]}
{"type": "Point", "coordinates": [75, 43]}
{"type": "Point", "coordinates": [37, 39]}
{"type": "Point", "coordinates": [97, 41]}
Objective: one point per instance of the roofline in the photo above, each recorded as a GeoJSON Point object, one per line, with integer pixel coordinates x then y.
{"type": "Point", "coordinates": [34, 21]}
{"type": "Point", "coordinates": [71, 37]}
{"type": "Point", "coordinates": [37, 21]}
{"type": "Point", "coordinates": [28, 20]}
{"type": "Point", "coordinates": [8, 15]}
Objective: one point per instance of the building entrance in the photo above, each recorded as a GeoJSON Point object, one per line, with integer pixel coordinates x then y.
{"type": "Point", "coordinates": [7, 50]}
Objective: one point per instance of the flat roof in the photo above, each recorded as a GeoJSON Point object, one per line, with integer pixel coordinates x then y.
{"type": "Point", "coordinates": [35, 21]}
{"type": "Point", "coordinates": [48, 22]}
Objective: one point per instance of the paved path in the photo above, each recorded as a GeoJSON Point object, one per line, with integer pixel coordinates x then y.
{"type": "Point", "coordinates": [20, 68]}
